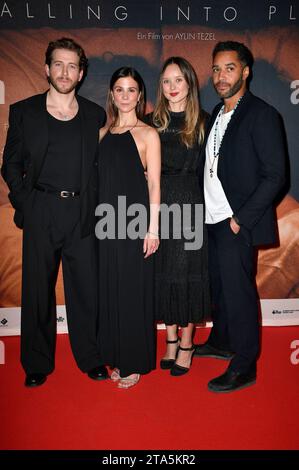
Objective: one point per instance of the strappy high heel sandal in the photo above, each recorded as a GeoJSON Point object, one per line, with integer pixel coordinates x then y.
{"type": "Point", "coordinates": [168, 363]}
{"type": "Point", "coordinates": [178, 370]}
{"type": "Point", "coordinates": [127, 382]}
{"type": "Point", "coordinates": [115, 375]}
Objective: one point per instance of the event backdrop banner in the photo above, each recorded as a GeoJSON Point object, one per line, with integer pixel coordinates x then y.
{"type": "Point", "coordinates": [143, 34]}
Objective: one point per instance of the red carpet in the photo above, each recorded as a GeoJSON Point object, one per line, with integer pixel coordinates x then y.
{"type": "Point", "coordinates": [162, 412]}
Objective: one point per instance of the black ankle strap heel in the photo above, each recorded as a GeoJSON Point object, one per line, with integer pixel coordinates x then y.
{"type": "Point", "coordinates": [187, 349]}
{"type": "Point", "coordinates": [168, 363]}
{"type": "Point", "coordinates": [173, 341]}
{"type": "Point", "coordinates": [178, 370]}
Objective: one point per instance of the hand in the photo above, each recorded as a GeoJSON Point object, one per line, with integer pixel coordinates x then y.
{"type": "Point", "coordinates": [234, 226]}
{"type": "Point", "coordinates": [150, 244]}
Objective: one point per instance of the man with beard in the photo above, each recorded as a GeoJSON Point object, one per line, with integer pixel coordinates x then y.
{"type": "Point", "coordinates": [49, 165]}
{"type": "Point", "coordinates": [243, 173]}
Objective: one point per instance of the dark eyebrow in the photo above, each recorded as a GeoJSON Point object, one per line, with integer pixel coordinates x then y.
{"type": "Point", "coordinates": [71, 63]}
{"type": "Point", "coordinates": [226, 65]}
{"type": "Point", "coordinates": [176, 76]}
{"type": "Point", "coordinates": [119, 86]}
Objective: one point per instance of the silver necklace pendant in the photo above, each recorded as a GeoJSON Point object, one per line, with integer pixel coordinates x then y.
{"type": "Point", "coordinates": [221, 112]}
{"type": "Point", "coordinates": [211, 170]}
{"type": "Point", "coordinates": [64, 117]}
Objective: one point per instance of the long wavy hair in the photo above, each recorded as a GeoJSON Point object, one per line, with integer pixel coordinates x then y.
{"type": "Point", "coordinates": [193, 130]}
{"type": "Point", "coordinates": [123, 72]}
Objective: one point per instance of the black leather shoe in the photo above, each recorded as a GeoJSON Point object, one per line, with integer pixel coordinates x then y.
{"type": "Point", "coordinates": [206, 350]}
{"type": "Point", "coordinates": [34, 380]}
{"type": "Point", "coordinates": [98, 373]}
{"type": "Point", "coordinates": [231, 381]}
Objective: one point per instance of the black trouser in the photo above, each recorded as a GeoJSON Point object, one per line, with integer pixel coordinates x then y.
{"type": "Point", "coordinates": [52, 233]}
{"type": "Point", "coordinates": [234, 297]}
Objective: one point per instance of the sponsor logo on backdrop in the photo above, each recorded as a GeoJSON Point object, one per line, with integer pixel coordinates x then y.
{"type": "Point", "coordinates": [10, 320]}
{"type": "Point", "coordinates": [278, 312]}
{"type": "Point", "coordinates": [294, 358]}
{"type": "Point", "coordinates": [285, 311]}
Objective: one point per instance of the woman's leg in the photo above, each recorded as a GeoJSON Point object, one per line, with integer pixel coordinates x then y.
{"type": "Point", "coordinates": [184, 357]}
{"type": "Point", "coordinates": [172, 335]}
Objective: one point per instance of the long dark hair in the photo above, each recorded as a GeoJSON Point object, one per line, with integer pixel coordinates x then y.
{"type": "Point", "coordinates": [124, 72]}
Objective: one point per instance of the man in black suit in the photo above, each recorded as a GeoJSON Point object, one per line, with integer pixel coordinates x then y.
{"type": "Point", "coordinates": [243, 174]}
{"type": "Point", "coordinates": [49, 165]}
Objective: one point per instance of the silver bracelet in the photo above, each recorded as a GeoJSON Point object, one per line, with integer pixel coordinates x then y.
{"type": "Point", "coordinates": [153, 233]}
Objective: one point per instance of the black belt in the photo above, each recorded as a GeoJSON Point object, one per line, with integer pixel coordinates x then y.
{"type": "Point", "coordinates": [182, 173]}
{"type": "Point", "coordinates": [57, 193]}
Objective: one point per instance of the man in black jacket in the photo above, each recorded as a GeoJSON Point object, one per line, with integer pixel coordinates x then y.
{"type": "Point", "coordinates": [243, 174]}
{"type": "Point", "coordinates": [49, 165]}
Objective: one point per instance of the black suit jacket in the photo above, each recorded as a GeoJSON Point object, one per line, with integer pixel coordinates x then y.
{"type": "Point", "coordinates": [26, 148]}
{"type": "Point", "coordinates": [252, 165]}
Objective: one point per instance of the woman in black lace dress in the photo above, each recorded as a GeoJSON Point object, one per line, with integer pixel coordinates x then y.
{"type": "Point", "coordinates": [181, 275]}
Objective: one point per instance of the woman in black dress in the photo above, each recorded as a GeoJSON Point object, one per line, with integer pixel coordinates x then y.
{"type": "Point", "coordinates": [128, 147]}
{"type": "Point", "coordinates": [182, 286]}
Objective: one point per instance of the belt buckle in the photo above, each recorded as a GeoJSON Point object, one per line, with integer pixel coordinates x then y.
{"type": "Point", "coordinates": [64, 193]}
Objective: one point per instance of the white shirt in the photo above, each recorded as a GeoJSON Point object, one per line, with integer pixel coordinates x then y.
{"type": "Point", "coordinates": [217, 205]}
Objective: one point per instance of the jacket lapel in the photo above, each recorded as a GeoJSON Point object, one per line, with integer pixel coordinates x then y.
{"type": "Point", "coordinates": [240, 111]}
{"type": "Point", "coordinates": [235, 119]}
{"type": "Point", "coordinates": [207, 133]}
{"type": "Point", "coordinates": [37, 122]}
{"type": "Point", "coordinates": [87, 122]}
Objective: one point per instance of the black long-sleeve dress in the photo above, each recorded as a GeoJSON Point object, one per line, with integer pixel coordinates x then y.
{"type": "Point", "coordinates": [181, 276]}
